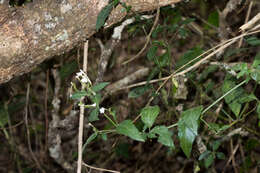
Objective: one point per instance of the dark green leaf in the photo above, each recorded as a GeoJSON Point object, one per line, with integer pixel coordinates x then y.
{"type": "Point", "coordinates": [137, 92]}
{"type": "Point", "coordinates": [96, 98]}
{"type": "Point", "coordinates": [253, 41]}
{"type": "Point", "coordinates": [188, 126]}
{"type": "Point", "coordinates": [78, 95]}
{"type": "Point", "coordinates": [209, 160]}
{"type": "Point", "coordinates": [113, 113]}
{"type": "Point", "coordinates": [234, 51]}
{"type": "Point", "coordinates": [220, 155]}
{"type": "Point", "coordinates": [151, 54]}
{"type": "Point", "coordinates": [90, 139]}
{"type": "Point", "coordinates": [4, 116]}
{"type": "Point", "coordinates": [164, 135]}
{"type": "Point", "coordinates": [204, 155]}
{"type": "Point", "coordinates": [68, 69]}
{"type": "Point", "coordinates": [242, 68]}
{"type": "Point", "coordinates": [258, 110]}
{"type": "Point", "coordinates": [149, 114]}
{"type": "Point", "coordinates": [255, 75]}
{"type": "Point", "coordinates": [122, 150]}
{"type": "Point", "coordinates": [152, 74]}
{"type": "Point", "coordinates": [187, 21]}
{"type": "Point", "coordinates": [256, 62]}
{"type": "Point", "coordinates": [247, 98]}
{"type": "Point", "coordinates": [128, 128]}
{"type": "Point", "coordinates": [94, 115]}
{"type": "Point", "coordinates": [208, 71]}
{"type": "Point", "coordinates": [233, 98]}
{"type": "Point", "coordinates": [157, 30]}
{"type": "Point", "coordinates": [183, 33]}
{"type": "Point", "coordinates": [213, 19]}
{"type": "Point", "coordinates": [99, 86]}
{"type": "Point", "coordinates": [216, 145]}
{"type": "Point", "coordinates": [251, 144]}
{"type": "Point", "coordinates": [163, 60]}
{"type": "Point", "coordinates": [104, 136]}
{"type": "Point", "coordinates": [102, 16]}
{"type": "Point", "coordinates": [188, 56]}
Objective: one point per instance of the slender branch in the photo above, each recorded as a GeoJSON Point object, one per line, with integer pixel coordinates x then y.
{"type": "Point", "coordinates": [82, 108]}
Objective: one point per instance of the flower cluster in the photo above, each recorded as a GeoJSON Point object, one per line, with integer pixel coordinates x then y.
{"type": "Point", "coordinates": [83, 77]}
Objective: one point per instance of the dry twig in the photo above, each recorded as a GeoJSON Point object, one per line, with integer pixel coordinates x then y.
{"type": "Point", "coordinates": [82, 108]}
{"type": "Point", "coordinates": [99, 169]}
{"type": "Point", "coordinates": [147, 38]}
{"type": "Point", "coordinates": [28, 131]}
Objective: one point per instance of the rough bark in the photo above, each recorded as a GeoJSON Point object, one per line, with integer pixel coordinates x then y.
{"type": "Point", "coordinates": [37, 31]}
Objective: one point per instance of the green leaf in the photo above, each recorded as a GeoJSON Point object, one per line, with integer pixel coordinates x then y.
{"type": "Point", "coordinates": [218, 127]}
{"type": "Point", "coordinates": [204, 154]}
{"type": "Point", "coordinates": [96, 98]}
{"type": "Point", "coordinates": [247, 98]}
{"type": "Point", "coordinates": [251, 144]}
{"type": "Point", "coordinates": [256, 62]}
{"type": "Point", "coordinates": [113, 113]}
{"type": "Point", "coordinates": [163, 60]}
{"type": "Point", "coordinates": [187, 21]}
{"type": "Point", "coordinates": [209, 70]}
{"type": "Point", "coordinates": [220, 155]}
{"type": "Point", "coordinates": [94, 115]}
{"type": "Point", "coordinates": [233, 51]}
{"type": "Point", "coordinates": [242, 68]}
{"type": "Point", "coordinates": [213, 19]}
{"type": "Point", "coordinates": [216, 145]}
{"type": "Point", "coordinates": [255, 75]}
{"type": "Point", "coordinates": [188, 56]}
{"type": "Point", "coordinates": [122, 149]}
{"type": "Point", "coordinates": [127, 128]}
{"type": "Point", "coordinates": [151, 54]}
{"type": "Point", "coordinates": [258, 110]}
{"type": "Point", "coordinates": [99, 86]}
{"type": "Point", "coordinates": [137, 92]}
{"type": "Point", "coordinates": [68, 69]}
{"type": "Point", "coordinates": [104, 136]}
{"type": "Point", "coordinates": [253, 41]}
{"type": "Point", "coordinates": [78, 95]}
{"type": "Point", "coordinates": [104, 13]}
{"type": "Point", "coordinates": [4, 116]}
{"type": "Point", "coordinates": [209, 160]}
{"type": "Point", "coordinates": [233, 99]}
{"type": "Point", "coordinates": [149, 114]}
{"type": "Point", "coordinates": [164, 135]}
{"type": "Point", "coordinates": [188, 128]}
{"type": "Point", "coordinates": [90, 139]}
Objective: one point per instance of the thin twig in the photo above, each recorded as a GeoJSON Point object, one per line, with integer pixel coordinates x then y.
{"type": "Point", "coordinates": [251, 23]}
{"type": "Point", "coordinates": [27, 129]}
{"type": "Point", "coordinates": [246, 20]}
{"type": "Point", "coordinates": [81, 116]}
{"type": "Point", "coordinates": [232, 156]}
{"type": "Point", "coordinates": [233, 153]}
{"type": "Point", "coordinates": [46, 111]}
{"type": "Point", "coordinates": [13, 126]}
{"type": "Point", "coordinates": [147, 38]}
{"type": "Point", "coordinates": [99, 169]}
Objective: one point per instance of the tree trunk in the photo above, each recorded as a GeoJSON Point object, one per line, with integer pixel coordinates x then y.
{"type": "Point", "coordinates": [37, 31]}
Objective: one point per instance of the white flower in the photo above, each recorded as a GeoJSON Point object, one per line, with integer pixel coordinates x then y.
{"type": "Point", "coordinates": [102, 110]}
{"type": "Point", "coordinates": [83, 77]}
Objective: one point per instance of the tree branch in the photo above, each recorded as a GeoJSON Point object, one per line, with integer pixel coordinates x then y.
{"type": "Point", "coordinates": [39, 30]}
